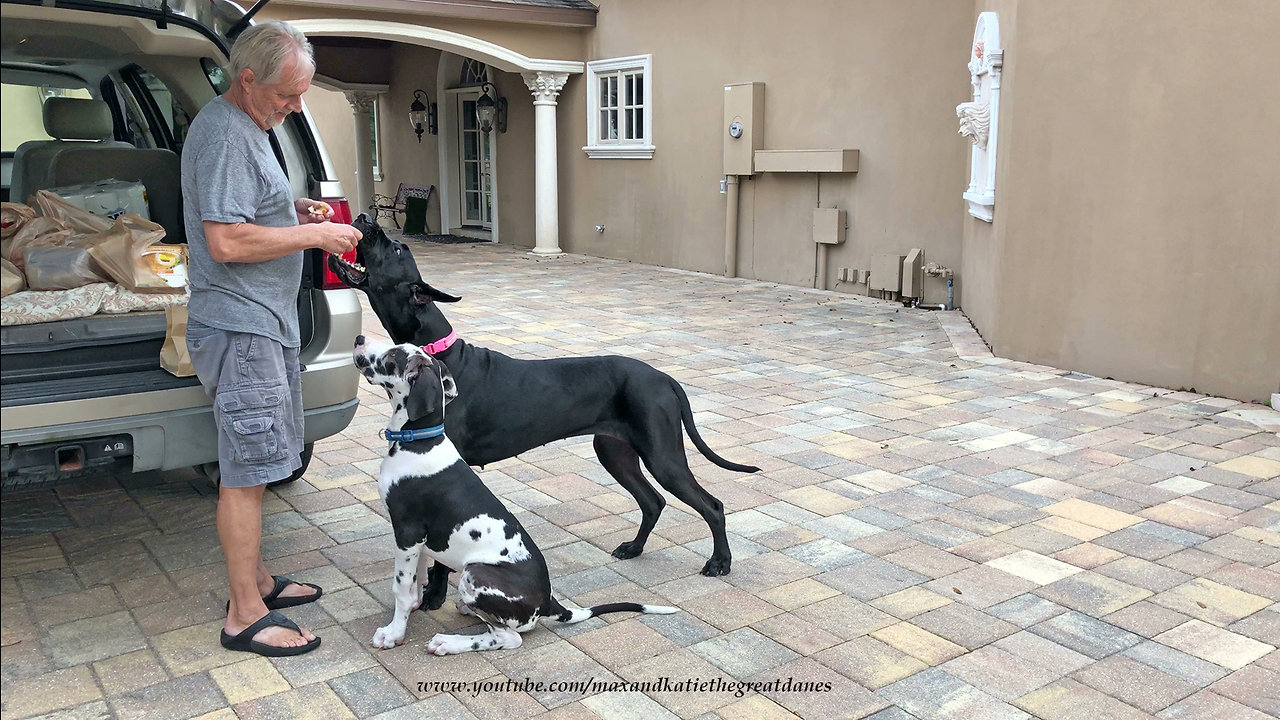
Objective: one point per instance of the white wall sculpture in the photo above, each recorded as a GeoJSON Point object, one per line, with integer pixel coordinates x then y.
{"type": "Point", "coordinates": [980, 119]}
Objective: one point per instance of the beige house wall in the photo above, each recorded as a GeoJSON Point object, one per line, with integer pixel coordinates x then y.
{"type": "Point", "coordinates": [837, 74]}
{"type": "Point", "coordinates": [24, 116]}
{"type": "Point", "coordinates": [333, 116]}
{"type": "Point", "coordinates": [1137, 232]}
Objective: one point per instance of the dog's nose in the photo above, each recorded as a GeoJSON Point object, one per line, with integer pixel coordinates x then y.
{"type": "Point", "coordinates": [359, 340]}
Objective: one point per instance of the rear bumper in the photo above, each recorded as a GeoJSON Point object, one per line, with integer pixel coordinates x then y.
{"type": "Point", "coordinates": [175, 428]}
{"type": "Point", "coordinates": [176, 438]}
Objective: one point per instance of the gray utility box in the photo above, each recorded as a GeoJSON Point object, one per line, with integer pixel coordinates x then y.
{"type": "Point", "coordinates": [886, 272]}
{"type": "Point", "coordinates": [828, 226]}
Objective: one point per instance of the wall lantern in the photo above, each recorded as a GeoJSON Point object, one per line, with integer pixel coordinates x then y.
{"type": "Point", "coordinates": [420, 114]}
{"type": "Point", "coordinates": [491, 113]}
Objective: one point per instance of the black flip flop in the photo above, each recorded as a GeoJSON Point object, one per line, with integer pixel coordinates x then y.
{"type": "Point", "coordinates": [273, 601]}
{"type": "Point", "coordinates": [244, 641]}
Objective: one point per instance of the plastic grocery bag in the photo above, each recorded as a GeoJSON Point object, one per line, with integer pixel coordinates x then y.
{"type": "Point", "coordinates": [132, 255]}
{"type": "Point", "coordinates": [61, 267]}
{"type": "Point", "coordinates": [36, 232]}
{"type": "Point", "coordinates": [80, 221]}
{"type": "Point", "coordinates": [13, 216]}
{"type": "Point", "coordinates": [13, 278]}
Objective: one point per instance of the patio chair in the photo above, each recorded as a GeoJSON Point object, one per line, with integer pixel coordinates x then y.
{"type": "Point", "coordinates": [385, 206]}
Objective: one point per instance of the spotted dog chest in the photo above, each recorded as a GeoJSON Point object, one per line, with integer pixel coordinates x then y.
{"type": "Point", "coordinates": [401, 464]}
{"type": "Point", "coordinates": [483, 539]}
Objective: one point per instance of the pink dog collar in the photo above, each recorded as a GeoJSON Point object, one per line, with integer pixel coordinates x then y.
{"type": "Point", "coordinates": [439, 346]}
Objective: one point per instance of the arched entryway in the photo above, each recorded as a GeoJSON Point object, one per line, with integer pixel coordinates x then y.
{"type": "Point", "coordinates": [467, 196]}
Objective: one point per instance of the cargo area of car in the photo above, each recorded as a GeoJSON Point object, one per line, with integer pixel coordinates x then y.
{"type": "Point", "coordinates": [154, 77]}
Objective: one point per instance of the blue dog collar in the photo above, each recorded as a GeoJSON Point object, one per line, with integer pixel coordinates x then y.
{"type": "Point", "coordinates": [411, 435]}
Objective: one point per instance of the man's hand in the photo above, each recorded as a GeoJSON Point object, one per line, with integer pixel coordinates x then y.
{"type": "Point", "coordinates": [245, 242]}
{"type": "Point", "coordinates": [312, 211]}
{"type": "Point", "coordinates": [336, 238]}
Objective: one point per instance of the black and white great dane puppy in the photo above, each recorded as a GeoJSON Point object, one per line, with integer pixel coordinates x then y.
{"type": "Point", "coordinates": [507, 406]}
{"type": "Point", "coordinates": [441, 510]}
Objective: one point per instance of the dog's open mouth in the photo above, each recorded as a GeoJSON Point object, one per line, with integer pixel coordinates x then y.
{"type": "Point", "coordinates": [353, 274]}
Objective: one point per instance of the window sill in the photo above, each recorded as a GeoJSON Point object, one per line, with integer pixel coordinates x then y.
{"type": "Point", "coordinates": [620, 152]}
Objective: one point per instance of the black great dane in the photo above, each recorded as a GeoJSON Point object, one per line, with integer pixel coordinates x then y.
{"type": "Point", "coordinates": [507, 406]}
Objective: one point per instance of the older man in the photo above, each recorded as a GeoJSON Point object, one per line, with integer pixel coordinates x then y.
{"type": "Point", "coordinates": [246, 234]}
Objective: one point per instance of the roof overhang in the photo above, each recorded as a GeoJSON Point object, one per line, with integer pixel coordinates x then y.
{"type": "Point", "coordinates": [491, 54]}
{"type": "Point", "coordinates": [499, 10]}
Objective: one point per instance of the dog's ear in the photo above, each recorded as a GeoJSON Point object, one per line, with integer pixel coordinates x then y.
{"type": "Point", "coordinates": [424, 387]}
{"type": "Point", "coordinates": [422, 293]}
{"type": "Point", "coordinates": [446, 380]}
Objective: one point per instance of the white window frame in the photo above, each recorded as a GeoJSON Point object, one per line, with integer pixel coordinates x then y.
{"type": "Point", "coordinates": [639, 148]}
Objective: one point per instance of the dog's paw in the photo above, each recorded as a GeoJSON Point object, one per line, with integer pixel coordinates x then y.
{"type": "Point", "coordinates": [433, 599]}
{"type": "Point", "coordinates": [443, 644]}
{"type": "Point", "coordinates": [387, 638]}
{"type": "Point", "coordinates": [628, 550]}
{"type": "Point", "coordinates": [716, 567]}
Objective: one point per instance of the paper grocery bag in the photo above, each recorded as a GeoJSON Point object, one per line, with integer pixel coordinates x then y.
{"type": "Point", "coordinates": [173, 353]}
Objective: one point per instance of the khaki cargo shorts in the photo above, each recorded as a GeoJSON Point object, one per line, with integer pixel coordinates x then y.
{"type": "Point", "coordinates": [256, 389]}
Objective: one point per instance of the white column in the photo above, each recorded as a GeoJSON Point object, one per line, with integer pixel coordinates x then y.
{"type": "Point", "coordinates": [545, 86]}
{"type": "Point", "coordinates": [361, 105]}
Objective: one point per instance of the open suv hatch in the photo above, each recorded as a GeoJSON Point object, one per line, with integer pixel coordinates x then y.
{"type": "Point", "coordinates": [88, 395]}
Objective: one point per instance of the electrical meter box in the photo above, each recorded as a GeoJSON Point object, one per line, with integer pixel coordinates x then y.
{"type": "Point", "coordinates": [743, 129]}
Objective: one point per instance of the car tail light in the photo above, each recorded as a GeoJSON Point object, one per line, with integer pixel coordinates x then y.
{"type": "Point", "coordinates": [341, 214]}
{"type": "Point", "coordinates": [341, 210]}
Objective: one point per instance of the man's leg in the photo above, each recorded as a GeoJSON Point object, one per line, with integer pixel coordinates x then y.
{"type": "Point", "coordinates": [240, 532]}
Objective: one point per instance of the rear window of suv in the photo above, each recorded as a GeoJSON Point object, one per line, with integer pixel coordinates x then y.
{"type": "Point", "coordinates": [23, 116]}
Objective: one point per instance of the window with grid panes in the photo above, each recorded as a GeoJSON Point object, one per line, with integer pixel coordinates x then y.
{"type": "Point", "coordinates": [620, 120]}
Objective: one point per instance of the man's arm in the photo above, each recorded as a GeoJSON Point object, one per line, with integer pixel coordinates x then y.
{"type": "Point", "coordinates": [248, 243]}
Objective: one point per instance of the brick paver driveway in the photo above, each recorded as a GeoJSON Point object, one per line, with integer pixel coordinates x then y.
{"type": "Point", "coordinates": [936, 534]}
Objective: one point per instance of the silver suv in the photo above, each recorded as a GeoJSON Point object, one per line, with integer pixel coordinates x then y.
{"type": "Point", "coordinates": [88, 395]}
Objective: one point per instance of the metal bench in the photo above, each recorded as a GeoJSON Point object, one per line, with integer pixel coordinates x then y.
{"type": "Point", "coordinates": [385, 206]}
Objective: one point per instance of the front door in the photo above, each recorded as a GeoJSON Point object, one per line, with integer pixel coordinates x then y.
{"type": "Point", "coordinates": [475, 160]}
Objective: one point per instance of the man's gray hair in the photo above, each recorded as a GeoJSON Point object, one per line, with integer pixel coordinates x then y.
{"type": "Point", "coordinates": [266, 47]}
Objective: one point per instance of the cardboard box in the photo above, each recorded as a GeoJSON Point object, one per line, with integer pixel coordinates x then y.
{"type": "Point", "coordinates": [107, 198]}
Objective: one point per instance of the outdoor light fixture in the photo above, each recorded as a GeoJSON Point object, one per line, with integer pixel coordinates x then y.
{"type": "Point", "coordinates": [420, 113]}
{"type": "Point", "coordinates": [491, 113]}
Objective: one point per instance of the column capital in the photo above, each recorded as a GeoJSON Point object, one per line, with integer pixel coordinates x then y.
{"type": "Point", "coordinates": [545, 86]}
{"type": "Point", "coordinates": [361, 102]}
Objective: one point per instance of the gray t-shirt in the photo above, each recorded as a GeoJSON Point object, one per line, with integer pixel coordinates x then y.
{"type": "Point", "coordinates": [231, 175]}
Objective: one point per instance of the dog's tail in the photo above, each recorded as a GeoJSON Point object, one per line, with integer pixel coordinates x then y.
{"type": "Point", "coordinates": [560, 613]}
{"type": "Point", "coordinates": [686, 414]}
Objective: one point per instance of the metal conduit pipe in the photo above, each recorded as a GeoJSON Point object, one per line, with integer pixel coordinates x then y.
{"type": "Point", "coordinates": [731, 228]}
{"type": "Point", "coordinates": [820, 281]}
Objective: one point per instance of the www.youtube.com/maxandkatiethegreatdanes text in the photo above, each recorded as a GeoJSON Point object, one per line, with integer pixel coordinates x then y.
{"type": "Point", "coordinates": [592, 686]}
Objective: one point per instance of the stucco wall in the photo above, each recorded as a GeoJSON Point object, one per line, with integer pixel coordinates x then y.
{"type": "Point", "coordinates": [404, 159]}
{"type": "Point", "coordinates": [982, 252]}
{"type": "Point", "coordinates": [837, 74]}
{"type": "Point", "coordinates": [24, 116]}
{"type": "Point", "coordinates": [1137, 233]}
{"type": "Point", "coordinates": [333, 117]}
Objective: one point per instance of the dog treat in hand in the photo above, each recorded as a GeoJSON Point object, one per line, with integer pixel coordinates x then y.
{"type": "Point", "coordinates": [321, 210]}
